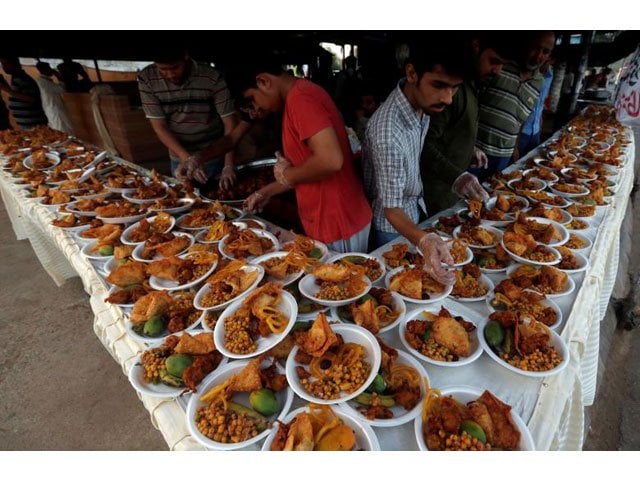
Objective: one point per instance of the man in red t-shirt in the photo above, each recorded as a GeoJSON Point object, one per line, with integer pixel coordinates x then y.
{"type": "Point", "coordinates": [317, 160]}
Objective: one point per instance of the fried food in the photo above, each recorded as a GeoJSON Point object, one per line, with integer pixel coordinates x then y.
{"type": "Point", "coordinates": [131, 273]}
{"type": "Point", "coordinates": [318, 339]}
{"type": "Point", "coordinates": [152, 304]}
{"type": "Point", "coordinates": [415, 283]}
{"type": "Point", "coordinates": [247, 243]}
{"type": "Point", "coordinates": [441, 337]}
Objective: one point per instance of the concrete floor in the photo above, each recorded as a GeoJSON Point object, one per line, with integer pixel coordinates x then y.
{"type": "Point", "coordinates": [61, 390]}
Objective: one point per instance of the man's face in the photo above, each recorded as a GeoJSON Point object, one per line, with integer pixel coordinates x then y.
{"type": "Point", "coordinates": [263, 99]}
{"type": "Point", "coordinates": [173, 72]}
{"type": "Point", "coordinates": [540, 50]}
{"type": "Point", "coordinates": [489, 64]}
{"type": "Point", "coordinates": [435, 90]}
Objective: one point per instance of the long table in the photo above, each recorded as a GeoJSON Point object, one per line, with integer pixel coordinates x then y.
{"type": "Point", "coordinates": [553, 407]}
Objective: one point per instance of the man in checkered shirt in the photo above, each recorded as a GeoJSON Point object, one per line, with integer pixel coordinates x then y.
{"type": "Point", "coordinates": [393, 142]}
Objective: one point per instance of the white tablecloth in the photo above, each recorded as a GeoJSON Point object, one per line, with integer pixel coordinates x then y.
{"type": "Point", "coordinates": [552, 407]}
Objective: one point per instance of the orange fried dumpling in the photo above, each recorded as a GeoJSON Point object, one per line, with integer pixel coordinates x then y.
{"type": "Point", "coordinates": [318, 339]}
{"type": "Point", "coordinates": [131, 273]}
{"type": "Point", "coordinates": [154, 303]}
{"type": "Point", "coordinates": [200, 344]}
{"type": "Point", "coordinates": [300, 434]}
{"type": "Point", "coordinates": [248, 379]}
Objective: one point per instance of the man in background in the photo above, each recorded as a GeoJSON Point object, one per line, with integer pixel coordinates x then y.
{"type": "Point", "coordinates": [24, 95]}
{"type": "Point", "coordinates": [508, 101]}
{"type": "Point", "coordinates": [530, 134]}
{"type": "Point", "coordinates": [51, 95]}
{"type": "Point", "coordinates": [74, 77]}
{"type": "Point", "coordinates": [449, 148]}
{"type": "Point", "coordinates": [189, 107]}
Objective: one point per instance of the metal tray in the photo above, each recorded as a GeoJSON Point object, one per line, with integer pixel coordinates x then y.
{"type": "Point", "coordinates": [246, 167]}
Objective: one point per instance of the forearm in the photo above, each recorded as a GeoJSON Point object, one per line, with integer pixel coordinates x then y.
{"type": "Point", "coordinates": [273, 189]}
{"type": "Point", "coordinates": [403, 224]}
{"type": "Point", "coordinates": [312, 170]}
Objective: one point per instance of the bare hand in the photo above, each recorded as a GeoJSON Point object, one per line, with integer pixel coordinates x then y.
{"type": "Point", "coordinates": [435, 253]}
{"type": "Point", "coordinates": [227, 178]}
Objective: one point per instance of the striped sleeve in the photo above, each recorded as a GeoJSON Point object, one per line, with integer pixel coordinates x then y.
{"type": "Point", "coordinates": [222, 99]}
{"type": "Point", "coordinates": [150, 102]}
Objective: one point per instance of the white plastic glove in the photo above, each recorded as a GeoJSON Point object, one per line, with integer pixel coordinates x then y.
{"type": "Point", "coordinates": [278, 170]}
{"type": "Point", "coordinates": [436, 252]}
{"type": "Point", "coordinates": [480, 159]}
{"type": "Point", "coordinates": [468, 186]}
{"type": "Point", "coordinates": [190, 168]}
{"type": "Point", "coordinates": [255, 202]}
{"type": "Point", "coordinates": [227, 177]}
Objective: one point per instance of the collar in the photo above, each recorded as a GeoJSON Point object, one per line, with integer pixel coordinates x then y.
{"type": "Point", "coordinates": [407, 112]}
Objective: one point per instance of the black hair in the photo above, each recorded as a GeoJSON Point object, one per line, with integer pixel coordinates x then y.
{"type": "Point", "coordinates": [452, 53]}
{"type": "Point", "coordinates": [242, 76]}
{"type": "Point", "coordinates": [170, 54]}
{"type": "Point", "coordinates": [44, 68]}
{"type": "Point", "coordinates": [501, 42]}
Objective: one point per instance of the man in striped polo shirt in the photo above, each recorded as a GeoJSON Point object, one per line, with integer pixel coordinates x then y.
{"type": "Point", "coordinates": [508, 102]}
{"type": "Point", "coordinates": [24, 95]}
{"type": "Point", "coordinates": [190, 108]}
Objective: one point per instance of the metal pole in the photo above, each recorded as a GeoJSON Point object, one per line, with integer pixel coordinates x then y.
{"type": "Point", "coordinates": [95, 63]}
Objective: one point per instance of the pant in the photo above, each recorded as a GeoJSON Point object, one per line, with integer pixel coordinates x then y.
{"type": "Point", "coordinates": [382, 238]}
{"type": "Point", "coordinates": [358, 242]}
{"type": "Point", "coordinates": [496, 164]}
{"type": "Point", "coordinates": [528, 143]}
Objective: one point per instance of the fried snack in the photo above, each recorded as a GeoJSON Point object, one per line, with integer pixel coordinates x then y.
{"type": "Point", "coordinates": [525, 246]}
{"type": "Point", "coordinates": [442, 337]}
{"type": "Point", "coordinates": [318, 429]}
{"type": "Point", "coordinates": [497, 260]}
{"type": "Point", "coordinates": [121, 208]}
{"type": "Point", "coordinates": [467, 284]}
{"type": "Point", "coordinates": [131, 273]}
{"type": "Point", "coordinates": [228, 282]}
{"type": "Point", "coordinates": [257, 317]}
{"type": "Point", "coordinates": [448, 224]}
{"type": "Point", "coordinates": [331, 361]}
{"type": "Point", "coordinates": [447, 416]}
{"type": "Point", "coordinates": [582, 211]}
{"type": "Point", "coordinates": [152, 304]}
{"type": "Point", "coordinates": [541, 232]}
{"type": "Point", "coordinates": [545, 279]}
{"type": "Point", "coordinates": [339, 281]}
{"type": "Point", "coordinates": [569, 260]}
{"type": "Point", "coordinates": [372, 267]}
{"type": "Point", "coordinates": [539, 210]}
{"type": "Point", "coordinates": [399, 255]}
{"type": "Point", "coordinates": [246, 243]}
{"type": "Point", "coordinates": [219, 229]}
{"type": "Point", "coordinates": [318, 339]}
{"type": "Point", "coordinates": [476, 235]}
{"type": "Point", "coordinates": [515, 299]}
{"type": "Point", "coordinates": [282, 267]}
{"type": "Point", "coordinates": [304, 245]}
{"type": "Point", "coordinates": [373, 311]}
{"type": "Point", "coordinates": [575, 243]}
{"type": "Point", "coordinates": [415, 283]}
